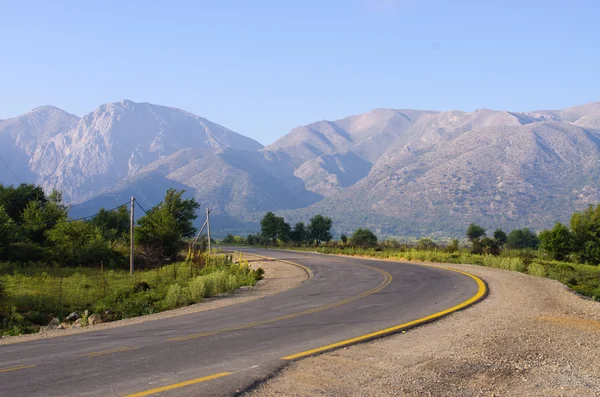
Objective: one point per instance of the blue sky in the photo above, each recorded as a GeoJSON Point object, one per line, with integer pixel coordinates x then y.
{"type": "Point", "coordinates": [262, 68]}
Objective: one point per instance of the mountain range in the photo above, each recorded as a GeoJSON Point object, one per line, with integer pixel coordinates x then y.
{"type": "Point", "coordinates": [398, 172]}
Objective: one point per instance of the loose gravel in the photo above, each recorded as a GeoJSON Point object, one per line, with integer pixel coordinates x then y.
{"type": "Point", "coordinates": [278, 277]}
{"type": "Point", "coordinates": [529, 337]}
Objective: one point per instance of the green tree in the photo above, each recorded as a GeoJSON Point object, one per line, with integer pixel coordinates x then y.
{"type": "Point", "coordinates": [319, 228]}
{"type": "Point", "coordinates": [274, 227]}
{"type": "Point", "coordinates": [114, 224]}
{"type": "Point", "coordinates": [474, 232]}
{"type": "Point", "coordinates": [229, 239]}
{"type": "Point", "coordinates": [15, 199]}
{"type": "Point", "coordinates": [167, 224]}
{"type": "Point", "coordinates": [426, 244]}
{"type": "Point", "coordinates": [522, 239]}
{"type": "Point", "coordinates": [344, 238]}
{"type": "Point", "coordinates": [585, 226]}
{"type": "Point", "coordinates": [183, 210]}
{"type": "Point", "coordinates": [80, 243]}
{"type": "Point", "coordinates": [453, 246]}
{"type": "Point", "coordinates": [39, 216]}
{"type": "Point", "coordinates": [363, 238]}
{"type": "Point", "coordinates": [500, 237]}
{"type": "Point", "coordinates": [299, 234]}
{"type": "Point", "coordinates": [490, 246]}
{"type": "Point", "coordinates": [558, 242]}
{"type": "Point", "coordinates": [8, 230]}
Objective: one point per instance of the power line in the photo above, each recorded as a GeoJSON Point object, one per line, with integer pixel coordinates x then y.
{"type": "Point", "coordinates": [13, 174]}
{"type": "Point", "coordinates": [150, 217]}
{"type": "Point", "coordinates": [74, 220]}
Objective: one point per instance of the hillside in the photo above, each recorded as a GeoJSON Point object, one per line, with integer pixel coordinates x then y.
{"type": "Point", "coordinates": [400, 172]}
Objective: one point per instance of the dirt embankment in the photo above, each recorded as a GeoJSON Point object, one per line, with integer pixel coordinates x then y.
{"type": "Point", "coordinates": [278, 277]}
{"type": "Point", "coordinates": [530, 337]}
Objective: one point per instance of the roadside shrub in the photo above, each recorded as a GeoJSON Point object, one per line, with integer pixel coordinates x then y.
{"type": "Point", "coordinates": [176, 296]}
{"type": "Point", "coordinates": [537, 269]}
{"type": "Point", "coordinates": [197, 288]}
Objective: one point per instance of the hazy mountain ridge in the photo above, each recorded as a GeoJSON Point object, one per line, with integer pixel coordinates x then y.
{"type": "Point", "coordinates": [400, 172]}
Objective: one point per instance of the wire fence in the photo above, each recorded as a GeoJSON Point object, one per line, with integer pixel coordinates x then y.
{"type": "Point", "coordinates": [58, 290]}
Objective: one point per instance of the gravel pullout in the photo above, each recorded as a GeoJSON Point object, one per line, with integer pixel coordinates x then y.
{"type": "Point", "coordinates": [529, 337]}
{"type": "Point", "coordinates": [278, 277]}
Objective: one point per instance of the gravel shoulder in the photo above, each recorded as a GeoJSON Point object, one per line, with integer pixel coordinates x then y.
{"type": "Point", "coordinates": [530, 337]}
{"type": "Point", "coordinates": [278, 277]}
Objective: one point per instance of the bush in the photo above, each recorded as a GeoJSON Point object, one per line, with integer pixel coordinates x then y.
{"type": "Point", "coordinates": [176, 296]}
{"type": "Point", "coordinates": [537, 269]}
{"type": "Point", "coordinates": [426, 244]}
{"type": "Point", "coordinates": [80, 243]}
{"type": "Point", "coordinates": [363, 238]}
{"type": "Point", "coordinates": [197, 289]}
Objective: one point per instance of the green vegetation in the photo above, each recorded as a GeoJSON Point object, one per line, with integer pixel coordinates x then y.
{"type": "Point", "coordinates": [38, 294]}
{"type": "Point", "coordinates": [569, 255]}
{"type": "Point", "coordinates": [51, 265]}
{"type": "Point", "coordinates": [363, 238]}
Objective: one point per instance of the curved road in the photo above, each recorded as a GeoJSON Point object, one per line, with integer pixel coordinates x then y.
{"type": "Point", "coordinates": [221, 352]}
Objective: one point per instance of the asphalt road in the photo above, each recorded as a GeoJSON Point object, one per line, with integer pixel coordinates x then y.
{"type": "Point", "coordinates": [223, 351]}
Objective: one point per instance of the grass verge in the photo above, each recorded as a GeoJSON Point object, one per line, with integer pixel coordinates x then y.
{"type": "Point", "coordinates": [31, 295]}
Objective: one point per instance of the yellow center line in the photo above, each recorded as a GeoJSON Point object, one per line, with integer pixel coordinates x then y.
{"type": "Point", "coordinates": [17, 368]}
{"type": "Point", "coordinates": [387, 280]}
{"type": "Point", "coordinates": [102, 353]}
{"type": "Point", "coordinates": [178, 385]}
{"type": "Point", "coordinates": [482, 290]}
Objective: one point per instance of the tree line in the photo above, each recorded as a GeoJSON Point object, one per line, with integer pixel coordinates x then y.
{"type": "Point", "coordinates": [274, 229]}
{"type": "Point", "coordinates": [579, 242]}
{"type": "Point", "coordinates": [35, 227]}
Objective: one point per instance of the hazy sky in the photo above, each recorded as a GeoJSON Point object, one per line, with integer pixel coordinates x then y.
{"type": "Point", "coordinates": [264, 67]}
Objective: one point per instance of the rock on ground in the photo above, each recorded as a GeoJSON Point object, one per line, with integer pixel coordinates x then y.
{"type": "Point", "coordinates": [529, 337]}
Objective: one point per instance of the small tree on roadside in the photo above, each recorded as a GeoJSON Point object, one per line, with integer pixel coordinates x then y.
{"type": "Point", "coordinates": [8, 230]}
{"type": "Point", "coordinates": [426, 244]}
{"type": "Point", "coordinates": [558, 242]}
{"type": "Point", "coordinates": [453, 246]}
{"type": "Point", "coordinates": [80, 243]}
{"type": "Point", "coordinates": [167, 224]}
{"type": "Point", "coordinates": [274, 227]}
{"type": "Point", "coordinates": [319, 229]}
{"type": "Point", "coordinates": [299, 234]}
{"type": "Point", "coordinates": [585, 226]}
{"type": "Point", "coordinates": [363, 238]}
{"type": "Point", "coordinates": [474, 232]}
{"type": "Point", "coordinates": [522, 239]}
{"type": "Point", "coordinates": [489, 246]}
{"type": "Point", "coordinates": [500, 237]}
{"type": "Point", "coordinates": [344, 238]}
{"type": "Point", "coordinates": [112, 223]}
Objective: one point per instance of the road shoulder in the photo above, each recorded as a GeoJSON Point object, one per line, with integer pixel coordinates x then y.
{"type": "Point", "coordinates": [530, 336]}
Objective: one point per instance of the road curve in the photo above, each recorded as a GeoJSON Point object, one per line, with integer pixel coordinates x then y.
{"type": "Point", "coordinates": [222, 352]}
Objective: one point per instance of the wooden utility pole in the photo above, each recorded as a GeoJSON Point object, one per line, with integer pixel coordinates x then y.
{"type": "Point", "coordinates": [131, 221]}
{"type": "Point", "coordinates": [208, 227]}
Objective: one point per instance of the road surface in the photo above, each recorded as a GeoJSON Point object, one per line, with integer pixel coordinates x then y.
{"type": "Point", "coordinates": [221, 352]}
